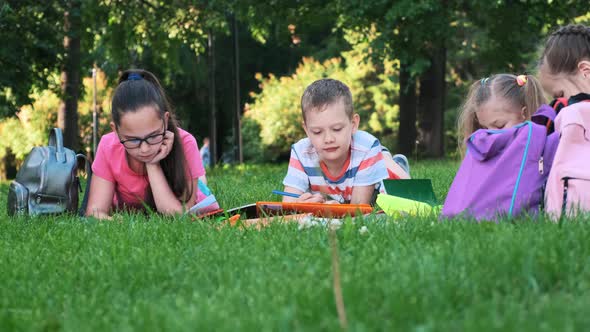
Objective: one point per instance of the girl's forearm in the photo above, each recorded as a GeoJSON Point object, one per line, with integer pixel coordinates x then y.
{"type": "Point", "coordinates": [166, 201]}
{"type": "Point", "coordinates": [97, 213]}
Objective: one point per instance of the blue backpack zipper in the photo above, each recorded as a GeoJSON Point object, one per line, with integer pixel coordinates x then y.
{"type": "Point", "coordinates": [523, 162]}
{"type": "Point", "coordinates": [522, 165]}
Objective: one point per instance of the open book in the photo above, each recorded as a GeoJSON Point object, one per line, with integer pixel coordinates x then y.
{"type": "Point", "coordinates": [206, 206]}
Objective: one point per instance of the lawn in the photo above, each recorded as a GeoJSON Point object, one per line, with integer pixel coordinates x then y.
{"type": "Point", "coordinates": [154, 273]}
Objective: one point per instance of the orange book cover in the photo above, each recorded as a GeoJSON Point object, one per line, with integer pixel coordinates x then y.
{"type": "Point", "coordinates": [263, 209]}
{"type": "Point", "coordinates": [317, 209]}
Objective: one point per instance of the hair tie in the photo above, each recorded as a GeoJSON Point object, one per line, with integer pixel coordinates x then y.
{"type": "Point", "coordinates": [483, 81]}
{"type": "Point", "coordinates": [521, 80]}
{"type": "Point", "coordinates": [134, 77]}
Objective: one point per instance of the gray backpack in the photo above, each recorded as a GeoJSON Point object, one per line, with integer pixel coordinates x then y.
{"type": "Point", "coordinates": [47, 182]}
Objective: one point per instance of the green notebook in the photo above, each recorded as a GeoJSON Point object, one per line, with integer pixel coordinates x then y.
{"type": "Point", "coordinates": [413, 189]}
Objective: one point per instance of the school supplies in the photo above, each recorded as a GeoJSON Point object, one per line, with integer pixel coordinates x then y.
{"type": "Point", "coordinates": [265, 209]}
{"type": "Point", "coordinates": [208, 205]}
{"type": "Point", "coordinates": [409, 196]}
{"type": "Point", "coordinates": [284, 193]}
{"type": "Point", "coordinates": [413, 189]}
{"type": "Point", "coordinates": [317, 209]}
{"type": "Point", "coordinates": [395, 206]}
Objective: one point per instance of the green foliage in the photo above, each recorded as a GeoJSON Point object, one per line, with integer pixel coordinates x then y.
{"type": "Point", "coordinates": [512, 43]}
{"type": "Point", "coordinates": [153, 273]}
{"type": "Point", "coordinates": [371, 39]}
{"type": "Point", "coordinates": [31, 125]}
{"type": "Point", "coordinates": [277, 107]}
{"type": "Point", "coordinates": [31, 43]}
{"type": "Point", "coordinates": [408, 30]}
{"type": "Point", "coordinates": [253, 149]}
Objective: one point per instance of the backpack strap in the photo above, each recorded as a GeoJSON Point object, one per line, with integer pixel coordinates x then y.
{"type": "Point", "coordinates": [545, 116]}
{"type": "Point", "coordinates": [558, 103]}
{"type": "Point", "coordinates": [585, 97]}
{"type": "Point", "coordinates": [82, 210]}
{"type": "Point", "coordinates": [541, 171]}
{"type": "Point", "coordinates": [564, 202]}
{"type": "Point", "coordinates": [57, 141]}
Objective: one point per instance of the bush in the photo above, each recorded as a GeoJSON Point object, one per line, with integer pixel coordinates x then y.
{"type": "Point", "coordinates": [31, 124]}
{"type": "Point", "coordinates": [276, 108]}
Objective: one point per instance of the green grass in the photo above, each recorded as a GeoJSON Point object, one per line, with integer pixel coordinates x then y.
{"type": "Point", "coordinates": [154, 273]}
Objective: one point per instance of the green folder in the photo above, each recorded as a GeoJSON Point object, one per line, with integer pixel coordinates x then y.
{"type": "Point", "coordinates": [414, 189]}
{"type": "Point", "coordinates": [411, 196]}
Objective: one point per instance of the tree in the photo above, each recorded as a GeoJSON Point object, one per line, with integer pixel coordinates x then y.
{"type": "Point", "coordinates": [30, 48]}
{"type": "Point", "coordinates": [408, 108]}
{"type": "Point", "coordinates": [427, 44]}
{"type": "Point", "coordinates": [171, 40]}
{"type": "Point", "coordinates": [431, 102]}
{"type": "Point", "coordinates": [276, 109]}
{"type": "Point", "coordinates": [67, 118]}
{"type": "Point", "coordinates": [416, 34]}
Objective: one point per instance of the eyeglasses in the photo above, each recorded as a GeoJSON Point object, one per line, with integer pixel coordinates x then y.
{"type": "Point", "coordinates": [134, 143]}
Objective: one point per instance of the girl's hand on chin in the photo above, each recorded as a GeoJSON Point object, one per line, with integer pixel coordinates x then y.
{"type": "Point", "coordinates": [165, 148]}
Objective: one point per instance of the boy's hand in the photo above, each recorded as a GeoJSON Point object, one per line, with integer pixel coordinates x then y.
{"type": "Point", "coordinates": [362, 194]}
{"type": "Point", "coordinates": [311, 198]}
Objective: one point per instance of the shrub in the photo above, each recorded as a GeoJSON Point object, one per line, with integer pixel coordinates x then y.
{"type": "Point", "coordinates": [31, 124]}
{"type": "Point", "coordinates": [276, 108]}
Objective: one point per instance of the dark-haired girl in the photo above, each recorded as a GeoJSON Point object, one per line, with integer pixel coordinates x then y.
{"type": "Point", "coordinates": [147, 160]}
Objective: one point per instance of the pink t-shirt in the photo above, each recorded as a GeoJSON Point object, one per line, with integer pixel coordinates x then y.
{"type": "Point", "coordinates": [131, 188]}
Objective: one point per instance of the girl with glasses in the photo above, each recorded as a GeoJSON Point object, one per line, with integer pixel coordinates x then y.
{"type": "Point", "coordinates": [147, 160]}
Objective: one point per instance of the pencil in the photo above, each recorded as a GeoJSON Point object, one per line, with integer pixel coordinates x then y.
{"type": "Point", "coordinates": [284, 193]}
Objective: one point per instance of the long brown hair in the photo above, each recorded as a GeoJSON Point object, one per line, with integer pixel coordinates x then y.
{"type": "Point", "coordinates": [145, 90]}
{"type": "Point", "coordinates": [530, 94]}
{"type": "Point", "coordinates": [565, 48]}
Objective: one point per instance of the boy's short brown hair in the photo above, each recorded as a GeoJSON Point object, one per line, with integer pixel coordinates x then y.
{"type": "Point", "coordinates": [323, 92]}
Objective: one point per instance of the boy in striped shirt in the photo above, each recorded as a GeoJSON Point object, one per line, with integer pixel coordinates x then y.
{"type": "Point", "coordinates": [337, 163]}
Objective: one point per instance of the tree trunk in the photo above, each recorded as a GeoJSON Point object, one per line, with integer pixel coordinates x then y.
{"type": "Point", "coordinates": [8, 167]}
{"type": "Point", "coordinates": [70, 76]}
{"type": "Point", "coordinates": [212, 101]}
{"type": "Point", "coordinates": [407, 112]}
{"type": "Point", "coordinates": [432, 105]}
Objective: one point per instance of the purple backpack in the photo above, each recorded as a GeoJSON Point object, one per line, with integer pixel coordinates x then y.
{"type": "Point", "coordinates": [504, 171]}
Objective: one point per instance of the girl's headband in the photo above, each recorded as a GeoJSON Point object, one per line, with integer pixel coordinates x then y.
{"type": "Point", "coordinates": [483, 81]}
{"type": "Point", "coordinates": [521, 80]}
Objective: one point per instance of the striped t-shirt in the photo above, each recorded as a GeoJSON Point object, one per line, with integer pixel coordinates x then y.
{"type": "Point", "coordinates": [364, 167]}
